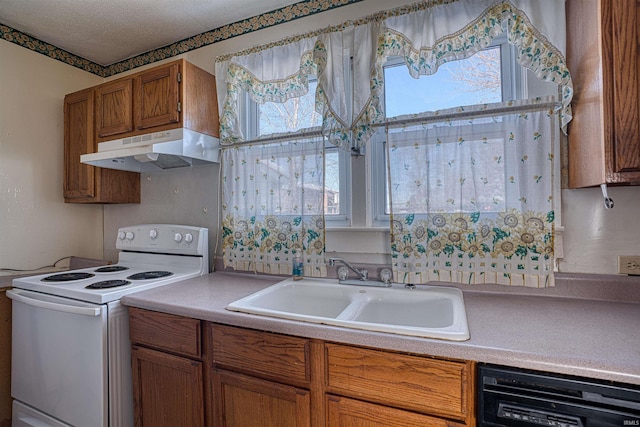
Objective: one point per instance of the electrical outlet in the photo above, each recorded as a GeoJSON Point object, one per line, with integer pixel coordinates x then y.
{"type": "Point", "coordinates": [629, 264]}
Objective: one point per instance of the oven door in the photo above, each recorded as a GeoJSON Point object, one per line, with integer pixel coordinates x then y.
{"type": "Point", "coordinates": [59, 357]}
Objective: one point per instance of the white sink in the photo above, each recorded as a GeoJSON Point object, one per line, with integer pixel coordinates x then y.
{"type": "Point", "coordinates": [427, 311]}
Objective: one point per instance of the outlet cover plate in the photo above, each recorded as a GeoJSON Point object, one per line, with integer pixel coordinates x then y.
{"type": "Point", "coordinates": [629, 264]}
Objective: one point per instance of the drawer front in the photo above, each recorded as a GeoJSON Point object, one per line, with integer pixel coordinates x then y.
{"type": "Point", "coordinates": [167, 332]}
{"type": "Point", "coordinates": [425, 385]}
{"type": "Point", "coordinates": [344, 411]}
{"type": "Point", "coordinates": [281, 358]}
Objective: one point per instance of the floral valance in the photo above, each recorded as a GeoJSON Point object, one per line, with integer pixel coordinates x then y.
{"type": "Point", "coordinates": [274, 74]}
{"type": "Point", "coordinates": [425, 34]}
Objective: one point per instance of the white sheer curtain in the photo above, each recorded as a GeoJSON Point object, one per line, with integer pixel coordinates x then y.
{"type": "Point", "coordinates": [473, 195]}
{"type": "Point", "coordinates": [345, 63]}
{"type": "Point", "coordinates": [273, 206]}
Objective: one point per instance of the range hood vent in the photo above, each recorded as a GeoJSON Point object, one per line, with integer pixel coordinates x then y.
{"type": "Point", "coordinates": [169, 149]}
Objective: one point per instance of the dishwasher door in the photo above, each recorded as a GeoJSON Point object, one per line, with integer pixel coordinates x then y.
{"type": "Point", "coordinates": [520, 398]}
{"type": "Point", "coordinates": [59, 357]}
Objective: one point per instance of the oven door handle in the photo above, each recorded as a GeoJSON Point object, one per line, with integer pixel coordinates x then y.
{"type": "Point", "coordinates": [85, 311]}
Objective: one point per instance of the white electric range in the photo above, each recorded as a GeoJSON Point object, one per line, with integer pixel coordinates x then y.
{"type": "Point", "coordinates": [70, 336]}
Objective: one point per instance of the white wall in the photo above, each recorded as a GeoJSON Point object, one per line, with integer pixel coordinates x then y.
{"type": "Point", "coordinates": [36, 227]}
{"type": "Point", "coordinates": [595, 236]}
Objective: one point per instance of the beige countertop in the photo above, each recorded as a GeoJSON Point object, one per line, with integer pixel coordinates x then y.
{"type": "Point", "coordinates": [585, 337]}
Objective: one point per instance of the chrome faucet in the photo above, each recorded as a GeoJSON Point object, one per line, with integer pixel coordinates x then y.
{"type": "Point", "coordinates": [363, 274]}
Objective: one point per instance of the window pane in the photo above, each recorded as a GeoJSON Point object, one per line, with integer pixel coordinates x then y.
{"type": "Point", "coordinates": [441, 174]}
{"type": "Point", "coordinates": [332, 182]}
{"type": "Point", "coordinates": [293, 115]}
{"type": "Point", "coordinates": [475, 80]}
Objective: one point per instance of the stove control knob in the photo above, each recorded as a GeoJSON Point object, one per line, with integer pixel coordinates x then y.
{"type": "Point", "coordinates": [153, 234]}
{"type": "Point", "coordinates": [177, 237]}
{"type": "Point", "coordinates": [121, 235]}
{"type": "Point", "coordinates": [188, 237]}
{"type": "Point", "coordinates": [130, 235]}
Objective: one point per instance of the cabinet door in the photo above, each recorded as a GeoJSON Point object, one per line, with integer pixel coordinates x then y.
{"type": "Point", "coordinates": [158, 97]}
{"type": "Point", "coordinates": [604, 135]}
{"type": "Point", "coordinates": [437, 387]}
{"type": "Point", "coordinates": [354, 413]}
{"type": "Point", "coordinates": [167, 389]}
{"type": "Point", "coordinates": [114, 108]}
{"type": "Point", "coordinates": [242, 401]}
{"type": "Point", "coordinates": [625, 157]}
{"type": "Point", "coordinates": [79, 179]}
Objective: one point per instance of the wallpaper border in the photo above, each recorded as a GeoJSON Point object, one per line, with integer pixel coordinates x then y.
{"type": "Point", "coordinates": [279, 16]}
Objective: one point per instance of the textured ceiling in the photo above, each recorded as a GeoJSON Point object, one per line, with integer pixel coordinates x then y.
{"type": "Point", "coordinates": [108, 31]}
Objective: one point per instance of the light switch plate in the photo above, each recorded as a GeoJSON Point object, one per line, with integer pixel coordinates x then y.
{"type": "Point", "coordinates": [629, 264]}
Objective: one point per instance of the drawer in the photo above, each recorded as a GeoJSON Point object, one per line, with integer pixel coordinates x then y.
{"type": "Point", "coordinates": [281, 358]}
{"type": "Point", "coordinates": [344, 411]}
{"type": "Point", "coordinates": [164, 331]}
{"type": "Point", "coordinates": [421, 384]}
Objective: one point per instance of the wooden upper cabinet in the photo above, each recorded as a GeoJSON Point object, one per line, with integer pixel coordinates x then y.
{"type": "Point", "coordinates": [78, 140]}
{"type": "Point", "coordinates": [158, 97]}
{"type": "Point", "coordinates": [174, 95]}
{"type": "Point", "coordinates": [114, 108]}
{"type": "Point", "coordinates": [603, 44]}
{"type": "Point", "coordinates": [85, 183]}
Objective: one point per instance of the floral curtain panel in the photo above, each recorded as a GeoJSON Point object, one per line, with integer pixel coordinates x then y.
{"type": "Point", "coordinates": [472, 197]}
{"type": "Point", "coordinates": [273, 207]}
{"type": "Point", "coordinates": [345, 61]}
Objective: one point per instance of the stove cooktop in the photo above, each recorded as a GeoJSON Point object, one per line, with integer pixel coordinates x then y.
{"type": "Point", "coordinates": [152, 255]}
{"type": "Point", "coordinates": [93, 285]}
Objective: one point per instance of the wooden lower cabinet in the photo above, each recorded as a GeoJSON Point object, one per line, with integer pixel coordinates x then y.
{"type": "Point", "coordinates": [343, 411]}
{"type": "Point", "coordinates": [167, 370]}
{"type": "Point", "coordinates": [442, 388]}
{"type": "Point", "coordinates": [242, 400]}
{"type": "Point", "coordinates": [168, 389]}
{"type": "Point", "coordinates": [239, 377]}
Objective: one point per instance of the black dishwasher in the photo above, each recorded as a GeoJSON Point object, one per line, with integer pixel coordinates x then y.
{"type": "Point", "coordinates": [521, 398]}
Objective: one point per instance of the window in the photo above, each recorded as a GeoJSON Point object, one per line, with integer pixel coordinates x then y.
{"type": "Point", "coordinates": [475, 80]}
{"type": "Point", "coordinates": [491, 75]}
{"type": "Point", "coordinates": [299, 115]}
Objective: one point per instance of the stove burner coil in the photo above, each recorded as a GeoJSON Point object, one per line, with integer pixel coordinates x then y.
{"type": "Point", "coordinates": [110, 269]}
{"type": "Point", "coordinates": [150, 275]}
{"type": "Point", "coordinates": [67, 277]}
{"type": "Point", "coordinates": [105, 284]}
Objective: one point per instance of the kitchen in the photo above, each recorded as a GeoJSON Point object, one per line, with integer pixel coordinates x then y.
{"type": "Point", "coordinates": [31, 132]}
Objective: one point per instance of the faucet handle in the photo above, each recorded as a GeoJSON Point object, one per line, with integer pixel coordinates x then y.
{"type": "Point", "coordinates": [385, 276]}
{"type": "Point", "coordinates": [343, 273]}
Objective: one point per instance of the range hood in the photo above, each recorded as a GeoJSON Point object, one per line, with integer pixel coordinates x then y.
{"type": "Point", "coordinates": [155, 151]}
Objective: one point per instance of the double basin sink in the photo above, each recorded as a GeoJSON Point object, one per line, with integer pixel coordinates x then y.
{"type": "Point", "coordinates": [426, 311]}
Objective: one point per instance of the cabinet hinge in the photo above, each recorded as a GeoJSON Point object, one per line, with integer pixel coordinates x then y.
{"type": "Point", "coordinates": [179, 106]}
{"type": "Point", "coordinates": [179, 77]}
